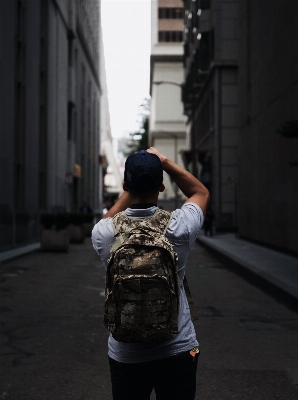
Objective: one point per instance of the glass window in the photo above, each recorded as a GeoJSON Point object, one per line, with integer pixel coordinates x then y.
{"type": "Point", "coordinates": [170, 13]}
{"type": "Point", "coordinates": [170, 36]}
{"type": "Point", "coordinates": [205, 4]}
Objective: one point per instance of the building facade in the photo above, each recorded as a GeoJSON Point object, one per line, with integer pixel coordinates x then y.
{"type": "Point", "coordinates": [115, 180]}
{"type": "Point", "coordinates": [167, 121]}
{"type": "Point", "coordinates": [210, 97]}
{"type": "Point", "coordinates": [240, 97]}
{"type": "Point", "coordinates": [50, 96]}
{"type": "Point", "coordinates": [268, 88]}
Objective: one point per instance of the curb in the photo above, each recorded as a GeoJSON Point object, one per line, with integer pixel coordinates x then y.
{"type": "Point", "coordinates": [18, 251]}
{"type": "Point", "coordinates": [272, 282]}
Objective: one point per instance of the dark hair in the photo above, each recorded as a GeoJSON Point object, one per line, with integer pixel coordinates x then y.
{"type": "Point", "coordinates": [143, 172]}
{"type": "Point", "coordinates": [143, 194]}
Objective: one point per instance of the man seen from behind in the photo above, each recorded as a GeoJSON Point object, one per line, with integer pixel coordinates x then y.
{"type": "Point", "coordinates": [169, 366]}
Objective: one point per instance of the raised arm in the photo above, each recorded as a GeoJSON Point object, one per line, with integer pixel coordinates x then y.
{"type": "Point", "coordinates": [192, 188]}
{"type": "Point", "coordinates": [121, 204]}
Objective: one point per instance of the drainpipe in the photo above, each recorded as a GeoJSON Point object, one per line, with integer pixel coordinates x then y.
{"type": "Point", "coordinates": [218, 163]}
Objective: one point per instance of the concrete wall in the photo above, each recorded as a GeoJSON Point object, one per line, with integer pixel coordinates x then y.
{"type": "Point", "coordinates": [213, 117]}
{"type": "Point", "coordinates": [166, 104]}
{"type": "Point", "coordinates": [8, 121]}
{"type": "Point", "coordinates": [268, 186]}
{"type": "Point", "coordinates": [167, 122]}
{"type": "Point", "coordinates": [225, 19]}
{"type": "Point", "coordinates": [32, 105]}
{"type": "Point", "coordinates": [77, 83]}
{"type": "Point", "coordinates": [57, 106]}
{"type": "Point", "coordinates": [216, 137]}
{"type": "Point", "coordinates": [170, 3]}
{"type": "Point", "coordinates": [229, 100]}
{"type": "Point", "coordinates": [7, 98]}
{"type": "Point", "coordinates": [39, 80]}
{"type": "Point", "coordinates": [171, 148]}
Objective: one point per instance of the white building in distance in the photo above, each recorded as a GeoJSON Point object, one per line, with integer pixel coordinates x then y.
{"type": "Point", "coordinates": [167, 122]}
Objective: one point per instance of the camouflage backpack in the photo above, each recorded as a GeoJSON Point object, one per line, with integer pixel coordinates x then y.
{"type": "Point", "coordinates": [142, 283]}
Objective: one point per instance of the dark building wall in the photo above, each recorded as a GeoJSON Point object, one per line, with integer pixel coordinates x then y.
{"type": "Point", "coordinates": [211, 99]}
{"type": "Point", "coordinates": [7, 97]}
{"type": "Point", "coordinates": [57, 106]}
{"type": "Point", "coordinates": [44, 97]}
{"type": "Point", "coordinates": [32, 91]}
{"type": "Point", "coordinates": [268, 186]}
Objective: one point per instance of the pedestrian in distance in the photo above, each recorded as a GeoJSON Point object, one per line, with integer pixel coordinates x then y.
{"type": "Point", "coordinates": [152, 344]}
{"type": "Point", "coordinates": [208, 224]}
{"type": "Point", "coordinates": [85, 208]}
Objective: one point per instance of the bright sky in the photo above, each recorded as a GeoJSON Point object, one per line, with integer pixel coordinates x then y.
{"type": "Point", "coordinates": [126, 26]}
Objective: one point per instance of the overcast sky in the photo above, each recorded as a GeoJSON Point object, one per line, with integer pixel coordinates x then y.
{"type": "Point", "coordinates": [126, 26]}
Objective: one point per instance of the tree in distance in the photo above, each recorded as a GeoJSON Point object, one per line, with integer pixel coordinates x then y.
{"type": "Point", "coordinates": [139, 140]}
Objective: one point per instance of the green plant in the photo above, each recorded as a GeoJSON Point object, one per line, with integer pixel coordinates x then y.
{"type": "Point", "coordinates": [47, 220]}
{"type": "Point", "coordinates": [289, 129]}
{"type": "Point", "coordinates": [61, 221]}
{"type": "Point", "coordinates": [76, 218]}
{"type": "Point", "coordinates": [58, 221]}
{"type": "Point", "coordinates": [139, 140]}
{"type": "Point", "coordinates": [89, 218]}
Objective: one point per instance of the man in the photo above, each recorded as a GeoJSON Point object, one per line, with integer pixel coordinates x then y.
{"type": "Point", "coordinates": [170, 366]}
{"type": "Point", "coordinates": [85, 208]}
{"type": "Point", "coordinates": [208, 225]}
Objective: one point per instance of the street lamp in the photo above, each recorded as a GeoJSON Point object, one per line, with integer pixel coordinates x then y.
{"type": "Point", "coordinates": [180, 85]}
{"type": "Point", "coordinates": [168, 83]}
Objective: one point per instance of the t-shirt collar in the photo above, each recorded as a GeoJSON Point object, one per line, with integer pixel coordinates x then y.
{"type": "Point", "coordinates": [140, 212]}
{"type": "Point", "coordinates": [142, 206]}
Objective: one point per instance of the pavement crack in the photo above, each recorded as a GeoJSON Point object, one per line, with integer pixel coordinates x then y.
{"type": "Point", "coordinates": [20, 353]}
{"type": "Point", "coordinates": [211, 311]}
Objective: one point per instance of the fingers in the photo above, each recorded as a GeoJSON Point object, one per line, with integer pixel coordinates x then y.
{"type": "Point", "coordinates": [153, 150]}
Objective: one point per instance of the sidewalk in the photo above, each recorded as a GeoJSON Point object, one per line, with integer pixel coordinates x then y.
{"type": "Point", "coordinates": [278, 269]}
{"type": "Point", "coordinates": [18, 251]}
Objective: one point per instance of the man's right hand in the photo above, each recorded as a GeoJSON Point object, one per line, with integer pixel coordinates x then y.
{"type": "Point", "coordinates": [153, 150]}
{"type": "Point", "coordinates": [192, 188]}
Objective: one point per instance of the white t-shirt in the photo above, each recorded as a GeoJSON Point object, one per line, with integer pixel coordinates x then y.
{"type": "Point", "coordinates": [182, 232]}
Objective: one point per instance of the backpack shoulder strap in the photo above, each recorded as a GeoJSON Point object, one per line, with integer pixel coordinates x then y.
{"type": "Point", "coordinates": [117, 220]}
{"type": "Point", "coordinates": [123, 225]}
{"type": "Point", "coordinates": [159, 221]}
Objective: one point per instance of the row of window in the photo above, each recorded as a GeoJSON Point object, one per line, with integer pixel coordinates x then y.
{"type": "Point", "coordinates": [170, 13]}
{"type": "Point", "coordinates": [205, 4]}
{"type": "Point", "coordinates": [170, 36]}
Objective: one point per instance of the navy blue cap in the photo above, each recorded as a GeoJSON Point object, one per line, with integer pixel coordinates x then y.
{"type": "Point", "coordinates": [143, 171]}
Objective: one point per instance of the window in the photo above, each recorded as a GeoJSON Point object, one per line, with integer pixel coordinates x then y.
{"type": "Point", "coordinates": [170, 13]}
{"type": "Point", "coordinates": [170, 36]}
{"type": "Point", "coordinates": [205, 4]}
{"type": "Point", "coordinates": [205, 52]}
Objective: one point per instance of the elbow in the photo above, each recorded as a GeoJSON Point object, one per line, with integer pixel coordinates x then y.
{"type": "Point", "coordinates": [206, 194]}
{"type": "Point", "coordinates": [206, 197]}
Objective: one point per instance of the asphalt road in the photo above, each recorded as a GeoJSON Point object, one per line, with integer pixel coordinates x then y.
{"type": "Point", "coordinates": [54, 346]}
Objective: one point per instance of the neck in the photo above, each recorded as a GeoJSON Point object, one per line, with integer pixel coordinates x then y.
{"type": "Point", "coordinates": [143, 205]}
{"type": "Point", "coordinates": [152, 199]}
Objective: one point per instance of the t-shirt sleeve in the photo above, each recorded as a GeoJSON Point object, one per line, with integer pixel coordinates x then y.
{"type": "Point", "coordinates": [186, 223]}
{"type": "Point", "coordinates": [103, 238]}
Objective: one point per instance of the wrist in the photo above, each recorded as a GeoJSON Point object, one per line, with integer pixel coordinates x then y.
{"type": "Point", "coordinates": [163, 160]}
{"type": "Point", "coordinates": [168, 165]}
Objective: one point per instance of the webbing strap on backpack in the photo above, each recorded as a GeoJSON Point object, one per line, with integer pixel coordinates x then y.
{"type": "Point", "coordinates": [122, 237]}
{"type": "Point", "coordinates": [192, 308]}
